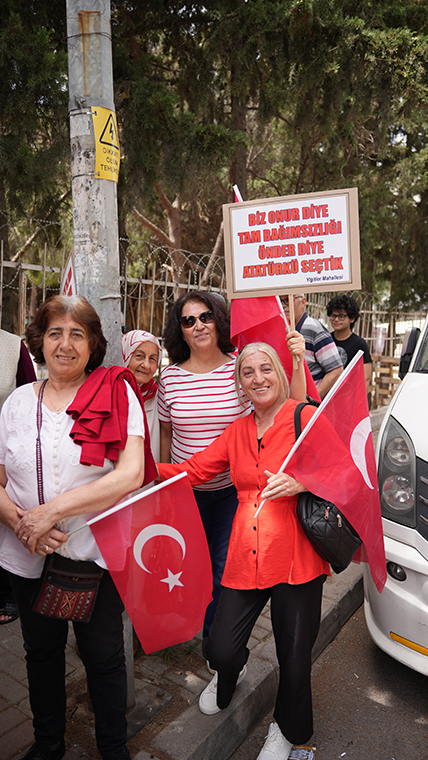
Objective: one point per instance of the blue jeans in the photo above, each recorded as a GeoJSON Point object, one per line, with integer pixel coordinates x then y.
{"type": "Point", "coordinates": [217, 510]}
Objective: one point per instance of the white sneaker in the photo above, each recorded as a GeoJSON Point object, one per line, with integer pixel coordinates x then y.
{"type": "Point", "coordinates": [210, 669]}
{"type": "Point", "coordinates": [208, 698]}
{"type": "Point", "coordinates": [276, 746]}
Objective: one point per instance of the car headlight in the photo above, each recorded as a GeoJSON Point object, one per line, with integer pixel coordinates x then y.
{"type": "Point", "coordinates": [398, 493]}
{"type": "Point", "coordinates": [398, 452]}
{"type": "Point", "coordinates": [396, 472]}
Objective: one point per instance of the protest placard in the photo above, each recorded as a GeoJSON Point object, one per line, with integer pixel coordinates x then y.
{"type": "Point", "coordinates": [292, 244]}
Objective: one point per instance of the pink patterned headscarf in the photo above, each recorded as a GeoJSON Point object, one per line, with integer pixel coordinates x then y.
{"type": "Point", "coordinates": [130, 342]}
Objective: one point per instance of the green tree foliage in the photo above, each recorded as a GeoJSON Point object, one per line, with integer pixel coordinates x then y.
{"type": "Point", "coordinates": [33, 125]}
{"type": "Point", "coordinates": [33, 110]}
{"type": "Point", "coordinates": [164, 139]}
{"type": "Point", "coordinates": [279, 96]}
{"type": "Point", "coordinates": [354, 114]}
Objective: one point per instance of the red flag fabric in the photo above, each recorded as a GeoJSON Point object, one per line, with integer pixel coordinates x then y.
{"type": "Point", "coordinates": [68, 284]}
{"type": "Point", "coordinates": [156, 551]}
{"type": "Point", "coordinates": [260, 319]}
{"type": "Point", "coordinates": [336, 460]}
{"type": "Point", "coordinates": [237, 192]}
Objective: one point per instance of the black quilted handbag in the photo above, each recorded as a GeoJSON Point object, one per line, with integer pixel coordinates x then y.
{"type": "Point", "coordinates": [329, 532]}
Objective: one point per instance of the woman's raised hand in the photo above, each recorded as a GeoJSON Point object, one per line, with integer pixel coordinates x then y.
{"type": "Point", "coordinates": [296, 343]}
{"type": "Point", "coordinates": [280, 485]}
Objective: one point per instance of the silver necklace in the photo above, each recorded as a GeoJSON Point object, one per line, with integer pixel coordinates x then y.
{"type": "Point", "coordinates": [62, 405]}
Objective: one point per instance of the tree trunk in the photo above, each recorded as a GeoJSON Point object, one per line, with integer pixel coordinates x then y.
{"type": "Point", "coordinates": [9, 311]}
{"type": "Point", "coordinates": [215, 253]}
{"type": "Point", "coordinates": [398, 268]}
{"type": "Point", "coordinates": [123, 236]}
{"type": "Point", "coordinates": [172, 240]}
{"type": "Point", "coordinates": [178, 259]}
{"type": "Point", "coordinates": [177, 256]}
{"type": "Point", "coordinates": [238, 168]}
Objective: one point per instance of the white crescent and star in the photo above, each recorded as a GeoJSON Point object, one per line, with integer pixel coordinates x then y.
{"type": "Point", "coordinates": [172, 579]}
{"type": "Point", "coordinates": [151, 531]}
{"type": "Point", "coordinates": [357, 447]}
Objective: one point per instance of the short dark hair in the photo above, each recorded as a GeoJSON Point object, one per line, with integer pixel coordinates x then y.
{"type": "Point", "coordinates": [82, 312]}
{"type": "Point", "coordinates": [177, 348]}
{"type": "Point", "coordinates": [346, 303]}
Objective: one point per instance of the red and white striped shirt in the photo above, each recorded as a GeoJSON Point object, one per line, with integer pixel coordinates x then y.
{"type": "Point", "coordinates": [200, 407]}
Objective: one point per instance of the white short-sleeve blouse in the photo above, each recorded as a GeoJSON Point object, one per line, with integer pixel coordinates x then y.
{"type": "Point", "coordinates": [62, 472]}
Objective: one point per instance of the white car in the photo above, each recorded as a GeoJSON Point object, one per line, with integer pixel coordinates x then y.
{"type": "Point", "coordinates": [397, 618]}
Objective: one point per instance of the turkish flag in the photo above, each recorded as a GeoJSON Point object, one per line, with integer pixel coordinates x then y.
{"type": "Point", "coordinates": [334, 458]}
{"type": "Point", "coordinates": [155, 548]}
{"type": "Point", "coordinates": [254, 320]}
{"type": "Point", "coordinates": [68, 284]}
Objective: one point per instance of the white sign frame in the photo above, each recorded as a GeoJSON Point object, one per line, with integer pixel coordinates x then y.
{"type": "Point", "coordinates": [292, 244]}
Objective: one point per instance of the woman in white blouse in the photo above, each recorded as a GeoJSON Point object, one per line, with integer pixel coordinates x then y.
{"type": "Point", "coordinates": [66, 335]}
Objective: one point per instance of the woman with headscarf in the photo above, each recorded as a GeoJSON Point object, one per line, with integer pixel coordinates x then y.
{"type": "Point", "coordinates": [142, 354]}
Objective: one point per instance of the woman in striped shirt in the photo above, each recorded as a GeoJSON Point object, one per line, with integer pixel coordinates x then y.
{"type": "Point", "coordinates": [198, 401]}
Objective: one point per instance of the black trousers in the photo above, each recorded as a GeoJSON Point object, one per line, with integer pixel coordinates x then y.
{"type": "Point", "coordinates": [295, 614]}
{"type": "Point", "coordinates": [6, 594]}
{"type": "Point", "coordinates": [101, 648]}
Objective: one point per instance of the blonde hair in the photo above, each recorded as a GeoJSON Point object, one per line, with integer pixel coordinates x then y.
{"type": "Point", "coordinates": [265, 348]}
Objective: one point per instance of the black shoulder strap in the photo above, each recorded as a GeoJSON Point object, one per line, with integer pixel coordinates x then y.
{"type": "Point", "coordinates": [297, 418]}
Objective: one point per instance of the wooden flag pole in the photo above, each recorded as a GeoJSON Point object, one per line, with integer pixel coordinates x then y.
{"type": "Point", "coordinates": [292, 324]}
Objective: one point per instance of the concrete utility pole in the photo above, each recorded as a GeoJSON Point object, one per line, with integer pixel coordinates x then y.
{"type": "Point", "coordinates": [94, 173]}
{"type": "Point", "coordinates": [94, 164]}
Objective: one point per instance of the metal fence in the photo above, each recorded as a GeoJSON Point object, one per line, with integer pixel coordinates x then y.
{"type": "Point", "coordinates": [383, 329]}
{"type": "Point", "coordinates": [146, 293]}
{"type": "Point", "coordinates": [147, 297]}
{"type": "Point", "coordinates": [149, 287]}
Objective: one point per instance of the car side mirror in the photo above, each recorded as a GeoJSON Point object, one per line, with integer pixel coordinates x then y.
{"type": "Point", "coordinates": [409, 344]}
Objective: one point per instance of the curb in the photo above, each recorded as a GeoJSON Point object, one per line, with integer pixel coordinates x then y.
{"type": "Point", "coordinates": [193, 736]}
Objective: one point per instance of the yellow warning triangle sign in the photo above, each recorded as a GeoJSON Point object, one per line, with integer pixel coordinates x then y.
{"type": "Point", "coordinates": [109, 134]}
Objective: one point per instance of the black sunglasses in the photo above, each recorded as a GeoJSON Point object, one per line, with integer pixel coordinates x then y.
{"type": "Point", "coordinates": [205, 317]}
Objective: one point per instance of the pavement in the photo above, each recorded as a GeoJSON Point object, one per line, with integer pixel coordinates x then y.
{"type": "Point", "coordinates": [165, 722]}
{"type": "Point", "coordinates": [160, 685]}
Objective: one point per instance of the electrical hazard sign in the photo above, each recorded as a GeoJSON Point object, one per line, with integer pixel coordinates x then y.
{"type": "Point", "coordinates": [107, 150]}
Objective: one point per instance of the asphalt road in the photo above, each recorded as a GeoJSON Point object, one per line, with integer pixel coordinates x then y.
{"type": "Point", "coordinates": [367, 706]}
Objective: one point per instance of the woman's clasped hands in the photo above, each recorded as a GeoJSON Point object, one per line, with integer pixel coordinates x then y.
{"type": "Point", "coordinates": [36, 532]}
{"type": "Point", "coordinates": [280, 485]}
